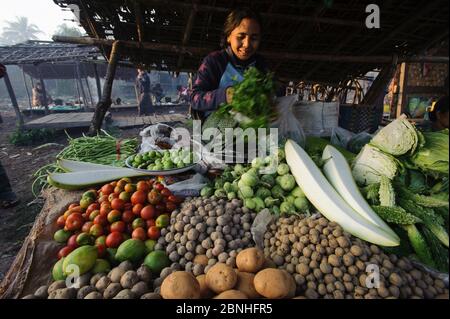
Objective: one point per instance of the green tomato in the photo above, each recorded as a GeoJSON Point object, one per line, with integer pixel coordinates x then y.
{"type": "Point", "coordinates": [257, 162]}
{"type": "Point", "coordinates": [283, 169]}
{"type": "Point", "coordinates": [207, 191]}
{"type": "Point", "coordinates": [263, 192]}
{"type": "Point", "coordinates": [287, 182]}
{"type": "Point", "coordinates": [157, 167]}
{"type": "Point", "coordinates": [220, 193]}
{"type": "Point", "coordinates": [180, 165]}
{"type": "Point", "coordinates": [301, 203]}
{"type": "Point", "coordinates": [297, 192]}
{"type": "Point", "coordinates": [250, 203]}
{"type": "Point", "coordinates": [275, 210]}
{"type": "Point", "coordinates": [158, 161]}
{"type": "Point", "coordinates": [168, 165]}
{"type": "Point", "coordinates": [290, 199]}
{"type": "Point", "coordinates": [138, 159]}
{"type": "Point", "coordinates": [239, 169]}
{"type": "Point", "coordinates": [270, 201]}
{"type": "Point", "coordinates": [259, 204]}
{"type": "Point", "coordinates": [145, 157]}
{"type": "Point", "coordinates": [280, 154]}
{"type": "Point", "coordinates": [268, 179]}
{"type": "Point", "coordinates": [188, 159]}
{"type": "Point", "coordinates": [228, 187]}
{"type": "Point", "coordinates": [231, 195]}
{"type": "Point", "coordinates": [152, 154]}
{"type": "Point", "coordinates": [277, 192]}
{"type": "Point", "coordinates": [287, 208]}
{"type": "Point", "coordinates": [246, 191]}
{"type": "Point", "coordinates": [249, 179]}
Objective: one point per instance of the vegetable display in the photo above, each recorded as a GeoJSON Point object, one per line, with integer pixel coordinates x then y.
{"type": "Point", "coordinates": [162, 160]}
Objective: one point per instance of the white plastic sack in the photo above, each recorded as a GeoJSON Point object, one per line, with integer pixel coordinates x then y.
{"type": "Point", "coordinates": [288, 125]}
{"type": "Point", "coordinates": [153, 134]}
{"type": "Point", "coordinates": [190, 187]}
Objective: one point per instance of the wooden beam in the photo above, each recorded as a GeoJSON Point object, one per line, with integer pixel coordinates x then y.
{"type": "Point", "coordinates": [290, 17]}
{"type": "Point", "coordinates": [105, 102]}
{"type": "Point", "coordinates": [12, 96]}
{"type": "Point", "coordinates": [187, 34]}
{"type": "Point", "coordinates": [139, 20]}
{"type": "Point", "coordinates": [169, 48]}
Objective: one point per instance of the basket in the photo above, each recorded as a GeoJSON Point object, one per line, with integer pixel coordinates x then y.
{"type": "Point", "coordinates": [360, 118]}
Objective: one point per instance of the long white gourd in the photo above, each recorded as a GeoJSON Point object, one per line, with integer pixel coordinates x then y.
{"type": "Point", "coordinates": [79, 180]}
{"type": "Point", "coordinates": [325, 198]}
{"type": "Point", "coordinates": [77, 166]}
{"type": "Point", "coordinates": [338, 173]}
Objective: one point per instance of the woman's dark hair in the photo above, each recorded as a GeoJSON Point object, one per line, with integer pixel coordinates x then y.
{"type": "Point", "coordinates": [235, 18]}
{"type": "Point", "coordinates": [441, 106]}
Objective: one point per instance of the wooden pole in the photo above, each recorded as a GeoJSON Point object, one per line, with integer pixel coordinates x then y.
{"type": "Point", "coordinates": [187, 34]}
{"type": "Point", "coordinates": [12, 96]}
{"type": "Point", "coordinates": [97, 82]}
{"type": "Point", "coordinates": [169, 48]}
{"type": "Point", "coordinates": [26, 89]}
{"type": "Point", "coordinates": [105, 102]}
{"type": "Point", "coordinates": [83, 93]}
{"type": "Point", "coordinates": [91, 101]}
{"type": "Point", "coordinates": [44, 92]}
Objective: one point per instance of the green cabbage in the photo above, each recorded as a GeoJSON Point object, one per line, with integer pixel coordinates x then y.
{"type": "Point", "coordinates": [397, 138]}
{"type": "Point", "coordinates": [432, 157]}
{"type": "Point", "coordinates": [371, 164]}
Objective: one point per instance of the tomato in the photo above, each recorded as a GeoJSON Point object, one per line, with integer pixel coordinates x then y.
{"type": "Point", "coordinates": [105, 209]}
{"type": "Point", "coordinates": [114, 216]}
{"type": "Point", "coordinates": [150, 223]}
{"type": "Point", "coordinates": [72, 242]}
{"type": "Point", "coordinates": [170, 207]}
{"type": "Point", "coordinates": [139, 233]}
{"type": "Point", "coordinates": [150, 183]}
{"type": "Point", "coordinates": [94, 214]}
{"type": "Point", "coordinates": [74, 221]}
{"type": "Point", "coordinates": [73, 205]}
{"type": "Point", "coordinates": [153, 233]}
{"type": "Point", "coordinates": [87, 226]}
{"type": "Point", "coordinates": [142, 186]}
{"type": "Point", "coordinates": [61, 222]}
{"type": "Point", "coordinates": [121, 183]}
{"type": "Point", "coordinates": [101, 250]}
{"type": "Point", "coordinates": [138, 197]}
{"type": "Point", "coordinates": [63, 252]}
{"type": "Point", "coordinates": [118, 227]}
{"type": "Point", "coordinates": [125, 196]}
{"type": "Point", "coordinates": [162, 221]}
{"type": "Point", "coordinates": [117, 203]}
{"type": "Point", "coordinates": [154, 197]}
{"type": "Point", "coordinates": [137, 209]}
{"type": "Point", "coordinates": [112, 196]}
{"type": "Point", "coordinates": [107, 189]}
{"type": "Point", "coordinates": [148, 212]}
{"type": "Point", "coordinates": [118, 189]}
{"type": "Point", "coordinates": [166, 192]}
{"type": "Point", "coordinates": [174, 199]}
{"type": "Point", "coordinates": [100, 220]}
{"type": "Point", "coordinates": [138, 223]}
{"type": "Point", "coordinates": [92, 207]}
{"type": "Point", "coordinates": [103, 198]}
{"type": "Point", "coordinates": [130, 188]}
{"type": "Point", "coordinates": [85, 202]}
{"type": "Point", "coordinates": [114, 239]}
{"type": "Point", "coordinates": [158, 186]}
{"type": "Point", "coordinates": [67, 213]}
{"type": "Point", "coordinates": [128, 216]}
{"type": "Point", "coordinates": [113, 184]}
{"type": "Point", "coordinates": [100, 240]}
{"type": "Point", "coordinates": [84, 239]}
{"type": "Point", "coordinates": [96, 230]}
{"type": "Point", "coordinates": [128, 206]}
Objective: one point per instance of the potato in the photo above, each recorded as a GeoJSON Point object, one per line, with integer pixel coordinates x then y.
{"type": "Point", "coordinates": [125, 294]}
{"type": "Point", "coordinates": [85, 279]}
{"type": "Point", "coordinates": [125, 265]}
{"type": "Point", "coordinates": [220, 278]}
{"type": "Point", "coordinates": [102, 284]}
{"type": "Point", "coordinates": [293, 285]}
{"type": "Point", "coordinates": [201, 260]}
{"type": "Point", "coordinates": [140, 288]}
{"type": "Point", "coordinates": [272, 283]}
{"type": "Point", "coordinates": [129, 279]}
{"type": "Point", "coordinates": [180, 285]}
{"type": "Point", "coordinates": [116, 274]}
{"type": "Point", "coordinates": [59, 284]}
{"type": "Point", "coordinates": [112, 290]}
{"type": "Point", "coordinates": [96, 277]}
{"type": "Point", "coordinates": [30, 297]}
{"type": "Point", "coordinates": [245, 284]}
{"type": "Point", "coordinates": [65, 293]}
{"type": "Point", "coordinates": [151, 295]}
{"type": "Point", "coordinates": [84, 291]}
{"type": "Point", "coordinates": [205, 292]}
{"type": "Point", "coordinates": [250, 260]}
{"type": "Point", "coordinates": [144, 274]}
{"type": "Point", "coordinates": [231, 294]}
{"type": "Point", "coordinates": [42, 292]}
{"type": "Point", "coordinates": [94, 295]}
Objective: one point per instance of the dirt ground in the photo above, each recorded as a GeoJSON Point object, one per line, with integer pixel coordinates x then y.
{"type": "Point", "coordinates": [20, 162]}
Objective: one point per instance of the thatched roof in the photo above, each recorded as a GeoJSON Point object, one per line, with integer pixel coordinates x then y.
{"type": "Point", "coordinates": [319, 41]}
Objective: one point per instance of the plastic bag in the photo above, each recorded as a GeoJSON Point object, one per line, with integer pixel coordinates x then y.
{"type": "Point", "coordinates": [155, 135]}
{"type": "Point", "coordinates": [189, 187]}
{"type": "Point", "coordinates": [259, 227]}
{"type": "Point", "coordinates": [358, 141]}
{"type": "Point", "coordinates": [288, 125]}
{"type": "Point", "coordinates": [340, 137]}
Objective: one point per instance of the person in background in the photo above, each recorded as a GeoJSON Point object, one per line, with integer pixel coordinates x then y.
{"type": "Point", "coordinates": [143, 90]}
{"type": "Point", "coordinates": [158, 93]}
{"type": "Point", "coordinates": [183, 95]}
{"type": "Point", "coordinates": [220, 70]}
{"type": "Point", "coordinates": [37, 95]}
{"type": "Point", "coordinates": [438, 114]}
{"type": "Point", "coordinates": [7, 197]}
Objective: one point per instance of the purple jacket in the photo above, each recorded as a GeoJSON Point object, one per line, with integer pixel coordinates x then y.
{"type": "Point", "coordinates": [208, 91]}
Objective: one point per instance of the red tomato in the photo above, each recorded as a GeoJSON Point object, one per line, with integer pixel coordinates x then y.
{"type": "Point", "coordinates": [100, 220]}
{"type": "Point", "coordinates": [86, 227]}
{"type": "Point", "coordinates": [114, 216]}
{"type": "Point", "coordinates": [138, 197]}
{"type": "Point", "coordinates": [74, 221]}
{"type": "Point", "coordinates": [154, 197]}
{"type": "Point", "coordinates": [112, 196]}
{"type": "Point", "coordinates": [148, 212]}
{"type": "Point", "coordinates": [166, 192]}
{"type": "Point", "coordinates": [153, 233]}
{"type": "Point", "coordinates": [96, 230]}
{"type": "Point", "coordinates": [103, 198]}
{"type": "Point", "coordinates": [174, 199]}
{"type": "Point", "coordinates": [63, 252]}
{"type": "Point", "coordinates": [107, 189]}
{"type": "Point", "coordinates": [105, 209]}
{"type": "Point", "coordinates": [142, 186]}
{"type": "Point", "coordinates": [118, 189]}
{"type": "Point", "coordinates": [101, 250]}
{"type": "Point", "coordinates": [118, 227]}
{"type": "Point", "coordinates": [128, 216]}
{"type": "Point", "coordinates": [73, 206]}
{"type": "Point", "coordinates": [100, 240]}
{"type": "Point", "coordinates": [170, 207]}
{"type": "Point", "coordinates": [150, 223]}
{"type": "Point", "coordinates": [113, 184]}
{"type": "Point", "coordinates": [72, 242]}
{"type": "Point", "coordinates": [114, 239]}
{"type": "Point", "coordinates": [138, 223]}
{"type": "Point", "coordinates": [158, 186]}
{"type": "Point", "coordinates": [139, 233]}
{"type": "Point", "coordinates": [61, 222]}
{"type": "Point", "coordinates": [117, 203]}
{"type": "Point", "coordinates": [130, 188]}
{"type": "Point", "coordinates": [92, 207]}
{"type": "Point", "coordinates": [94, 214]}
{"type": "Point", "coordinates": [137, 209]}
{"type": "Point", "coordinates": [128, 206]}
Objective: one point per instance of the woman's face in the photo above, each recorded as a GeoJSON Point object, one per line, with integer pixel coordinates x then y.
{"type": "Point", "coordinates": [244, 40]}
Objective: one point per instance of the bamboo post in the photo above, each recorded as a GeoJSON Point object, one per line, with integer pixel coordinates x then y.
{"type": "Point", "coordinates": [12, 96]}
{"type": "Point", "coordinates": [105, 102]}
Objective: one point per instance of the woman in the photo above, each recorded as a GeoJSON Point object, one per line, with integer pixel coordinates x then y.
{"type": "Point", "coordinates": [143, 90]}
{"type": "Point", "coordinates": [220, 70]}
